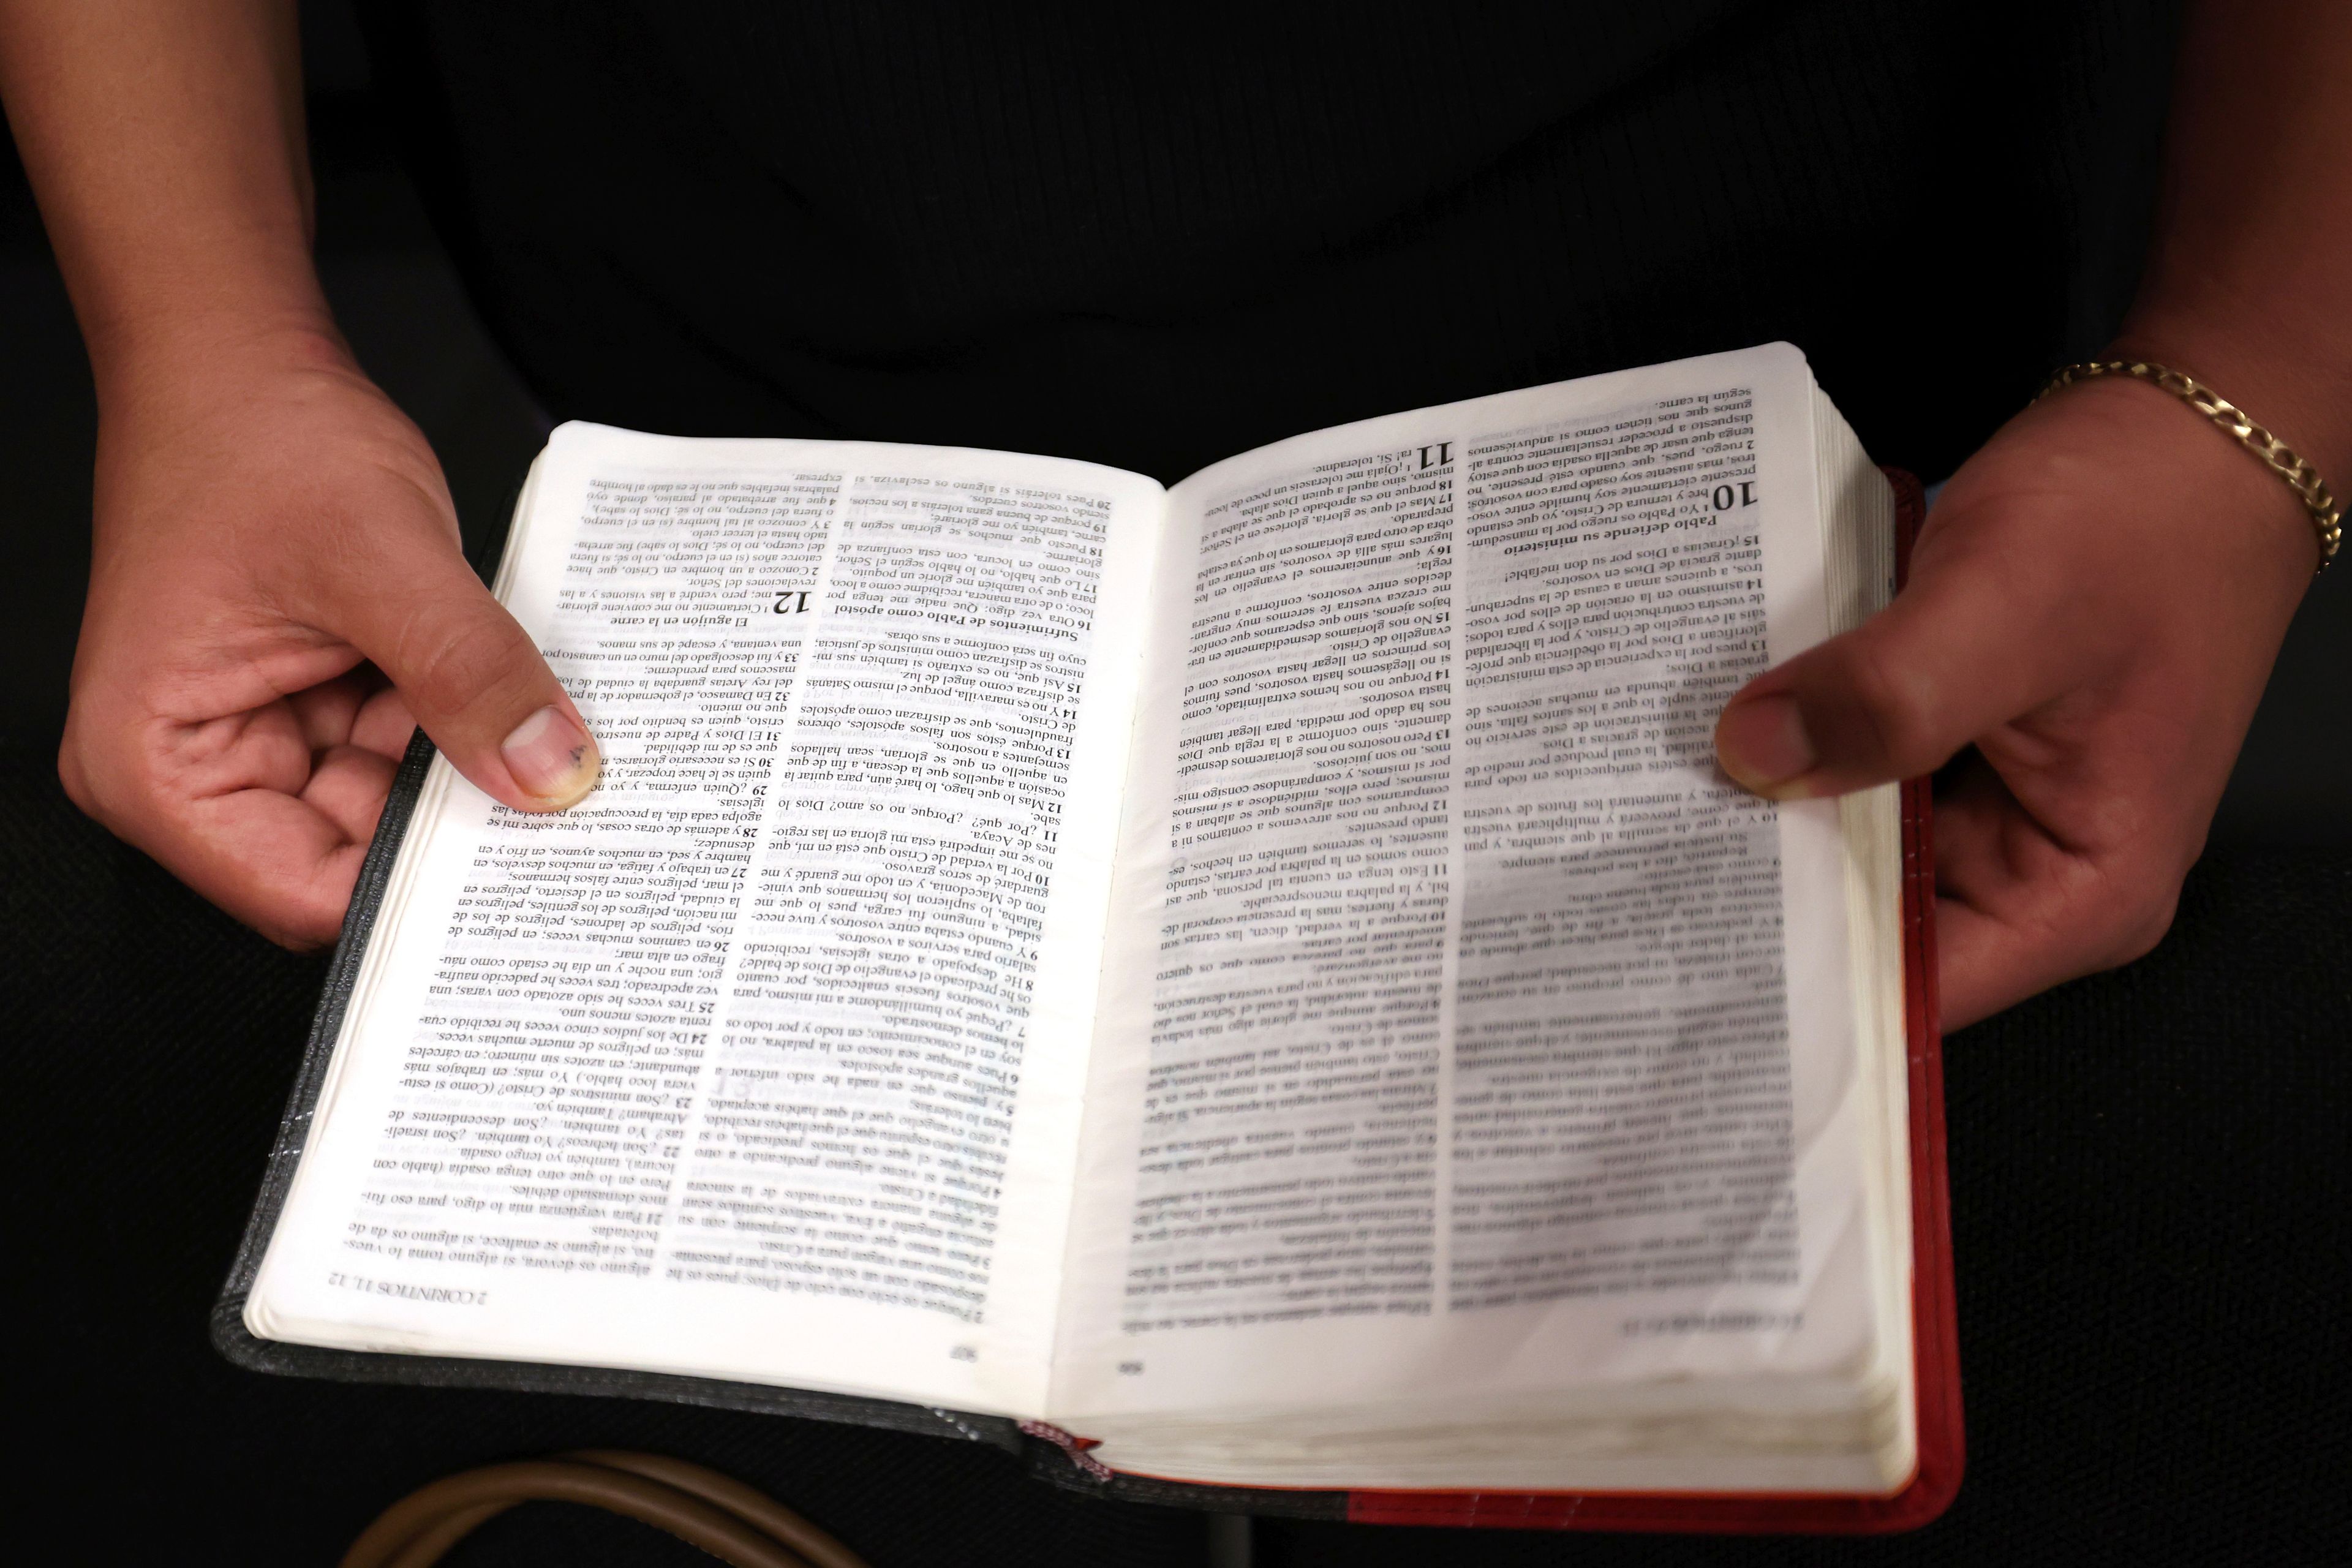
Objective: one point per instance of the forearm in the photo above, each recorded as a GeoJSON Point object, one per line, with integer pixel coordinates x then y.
{"type": "Point", "coordinates": [2249, 282]}
{"type": "Point", "coordinates": [164, 142]}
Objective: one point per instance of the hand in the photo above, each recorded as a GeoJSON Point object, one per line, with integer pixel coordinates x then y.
{"type": "Point", "coordinates": [267, 526]}
{"type": "Point", "coordinates": [2092, 607]}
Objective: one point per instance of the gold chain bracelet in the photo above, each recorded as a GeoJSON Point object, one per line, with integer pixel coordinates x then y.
{"type": "Point", "coordinates": [2326, 516]}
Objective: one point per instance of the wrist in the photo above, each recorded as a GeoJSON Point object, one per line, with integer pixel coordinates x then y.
{"type": "Point", "coordinates": [2286, 413]}
{"type": "Point", "coordinates": [2287, 377]}
{"type": "Point", "coordinates": [198, 353]}
{"type": "Point", "coordinates": [2186, 496]}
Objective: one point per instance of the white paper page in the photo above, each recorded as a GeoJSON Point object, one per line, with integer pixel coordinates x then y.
{"type": "Point", "coordinates": [1446, 1039]}
{"type": "Point", "coordinates": [765, 1061]}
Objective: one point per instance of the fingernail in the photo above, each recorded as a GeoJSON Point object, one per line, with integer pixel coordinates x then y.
{"type": "Point", "coordinates": [1763, 745]}
{"type": "Point", "coordinates": [552, 757]}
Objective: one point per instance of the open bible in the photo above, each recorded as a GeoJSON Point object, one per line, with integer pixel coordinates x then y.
{"type": "Point", "coordinates": [1254, 985]}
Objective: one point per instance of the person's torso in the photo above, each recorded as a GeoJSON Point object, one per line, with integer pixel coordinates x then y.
{"type": "Point", "coordinates": [1153, 236]}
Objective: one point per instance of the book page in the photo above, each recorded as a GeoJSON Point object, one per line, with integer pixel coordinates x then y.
{"type": "Point", "coordinates": [764, 1062]}
{"type": "Point", "coordinates": [1470, 1036]}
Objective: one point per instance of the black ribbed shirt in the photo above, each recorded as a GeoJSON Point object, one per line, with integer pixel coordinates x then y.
{"type": "Point", "coordinates": [1153, 235]}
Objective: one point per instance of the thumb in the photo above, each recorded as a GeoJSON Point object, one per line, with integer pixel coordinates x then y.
{"type": "Point", "coordinates": [474, 680]}
{"type": "Point", "coordinates": [1960, 652]}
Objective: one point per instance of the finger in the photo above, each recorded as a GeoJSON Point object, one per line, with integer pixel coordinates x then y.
{"type": "Point", "coordinates": [220, 803]}
{"type": "Point", "coordinates": [470, 676]}
{"type": "Point", "coordinates": [348, 786]}
{"type": "Point", "coordinates": [234, 807]}
{"type": "Point", "coordinates": [274, 862]}
{"type": "Point", "coordinates": [1966, 647]}
{"type": "Point", "coordinates": [1989, 856]}
{"type": "Point", "coordinates": [325, 712]}
{"type": "Point", "coordinates": [384, 724]}
{"type": "Point", "coordinates": [2019, 911]}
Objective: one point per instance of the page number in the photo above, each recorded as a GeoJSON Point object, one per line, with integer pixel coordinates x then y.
{"type": "Point", "coordinates": [1130, 1369]}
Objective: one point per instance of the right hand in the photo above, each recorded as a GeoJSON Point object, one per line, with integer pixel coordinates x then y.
{"type": "Point", "coordinates": [2092, 611]}
{"type": "Point", "coordinates": [270, 527]}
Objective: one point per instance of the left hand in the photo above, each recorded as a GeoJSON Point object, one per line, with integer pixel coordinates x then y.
{"type": "Point", "coordinates": [2094, 606]}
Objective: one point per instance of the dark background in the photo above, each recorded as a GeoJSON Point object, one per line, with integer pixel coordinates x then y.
{"type": "Point", "coordinates": [405, 312]}
{"type": "Point", "coordinates": [2150, 1169]}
